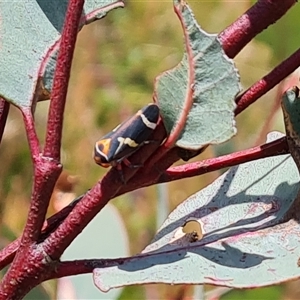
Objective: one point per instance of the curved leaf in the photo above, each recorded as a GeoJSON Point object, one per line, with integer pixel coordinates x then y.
{"type": "Point", "coordinates": [30, 32]}
{"type": "Point", "coordinates": [210, 74]}
{"type": "Point", "coordinates": [244, 243]}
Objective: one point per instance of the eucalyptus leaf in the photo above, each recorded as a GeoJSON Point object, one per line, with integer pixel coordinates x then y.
{"type": "Point", "coordinates": [30, 33]}
{"type": "Point", "coordinates": [214, 81]}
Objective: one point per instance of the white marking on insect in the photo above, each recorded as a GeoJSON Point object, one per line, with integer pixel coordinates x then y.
{"type": "Point", "coordinates": [99, 152]}
{"type": "Point", "coordinates": [126, 141]}
{"type": "Point", "coordinates": [147, 122]}
{"type": "Point", "coordinates": [115, 129]}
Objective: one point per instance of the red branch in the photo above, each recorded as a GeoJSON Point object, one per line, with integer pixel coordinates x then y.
{"type": "Point", "coordinates": [277, 147]}
{"type": "Point", "coordinates": [8, 253]}
{"type": "Point", "coordinates": [61, 81]}
{"type": "Point", "coordinates": [147, 178]}
{"type": "Point", "coordinates": [96, 198]}
{"type": "Point", "coordinates": [236, 36]}
{"type": "Point", "coordinates": [30, 259]}
{"type": "Point", "coordinates": [32, 137]}
{"type": "Point", "coordinates": [47, 167]}
{"type": "Point", "coordinates": [4, 109]}
{"type": "Point", "coordinates": [260, 16]}
{"type": "Point", "coordinates": [268, 82]}
{"type": "Point", "coordinates": [83, 266]}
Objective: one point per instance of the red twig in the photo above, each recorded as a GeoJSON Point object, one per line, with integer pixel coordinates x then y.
{"type": "Point", "coordinates": [147, 178]}
{"type": "Point", "coordinates": [236, 36]}
{"type": "Point", "coordinates": [31, 231]}
{"type": "Point", "coordinates": [4, 109]}
{"type": "Point", "coordinates": [261, 15]}
{"type": "Point", "coordinates": [48, 168]}
{"type": "Point", "coordinates": [268, 82]}
{"type": "Point", "coordinates": [32, 137]}
{"type": "Point", "coordinates": [188, 101]}
{"type": "Point", "coordinates": [270, 115]}
{"type": "Point", "coordinates": [83, 266]}
{"type": "Point", "coordinates": [61, 81]}
{"type": "Point", "coordinates": [8, 253]}
{"type": "Point", "coordinates": [194, 169]}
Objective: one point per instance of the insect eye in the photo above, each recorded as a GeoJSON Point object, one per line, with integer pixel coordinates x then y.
{"type": "Point", "coordinates": [100, 147]}
{"type": "Point", "coordinates": [98, 159]}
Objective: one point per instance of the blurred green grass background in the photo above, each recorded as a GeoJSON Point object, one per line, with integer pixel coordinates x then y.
{"type": "Point", "coordinates": [115, 64]}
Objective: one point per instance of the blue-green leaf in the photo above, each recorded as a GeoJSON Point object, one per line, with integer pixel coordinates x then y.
{"type": "Point", "coordinates": [30, 32]}
{"type": "Point", "coordinates": [214, 81]}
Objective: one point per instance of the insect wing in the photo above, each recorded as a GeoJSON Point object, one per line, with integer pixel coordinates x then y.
{"type": "Point", "coordinates": [135, 131]}
{"type": "Point", "coordinates": [127, 137]}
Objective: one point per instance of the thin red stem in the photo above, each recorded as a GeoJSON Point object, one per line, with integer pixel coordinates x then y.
{"type": "Point", "coordinates": [44, 182]}
{"type": "Point", "coordinates": [188, 101]}
{"type": "Point", "coordinates": [268, 82]}
{"type": "Point", "coordinates": [260, 16]}
{"type": "Point", "coordinates": [236, 36]}
{"type": "Point", "coordinates": [31, 231]}
{"type": "Point", "coordinates": [46, 170]}
{"type": "Point", "coordinates": [277, 147]}
{"type": "Point", "coordinates": [32, 137]}
{"type": "Point", "coordinates": [61, 80]}
{"type": "Point", "coordinates": [8, 253]}
{"type": "Point", "coordinates": [83, 266]}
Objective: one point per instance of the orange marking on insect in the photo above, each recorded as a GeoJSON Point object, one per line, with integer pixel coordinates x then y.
{"type": "Point", "coordinates": [102, 149]}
